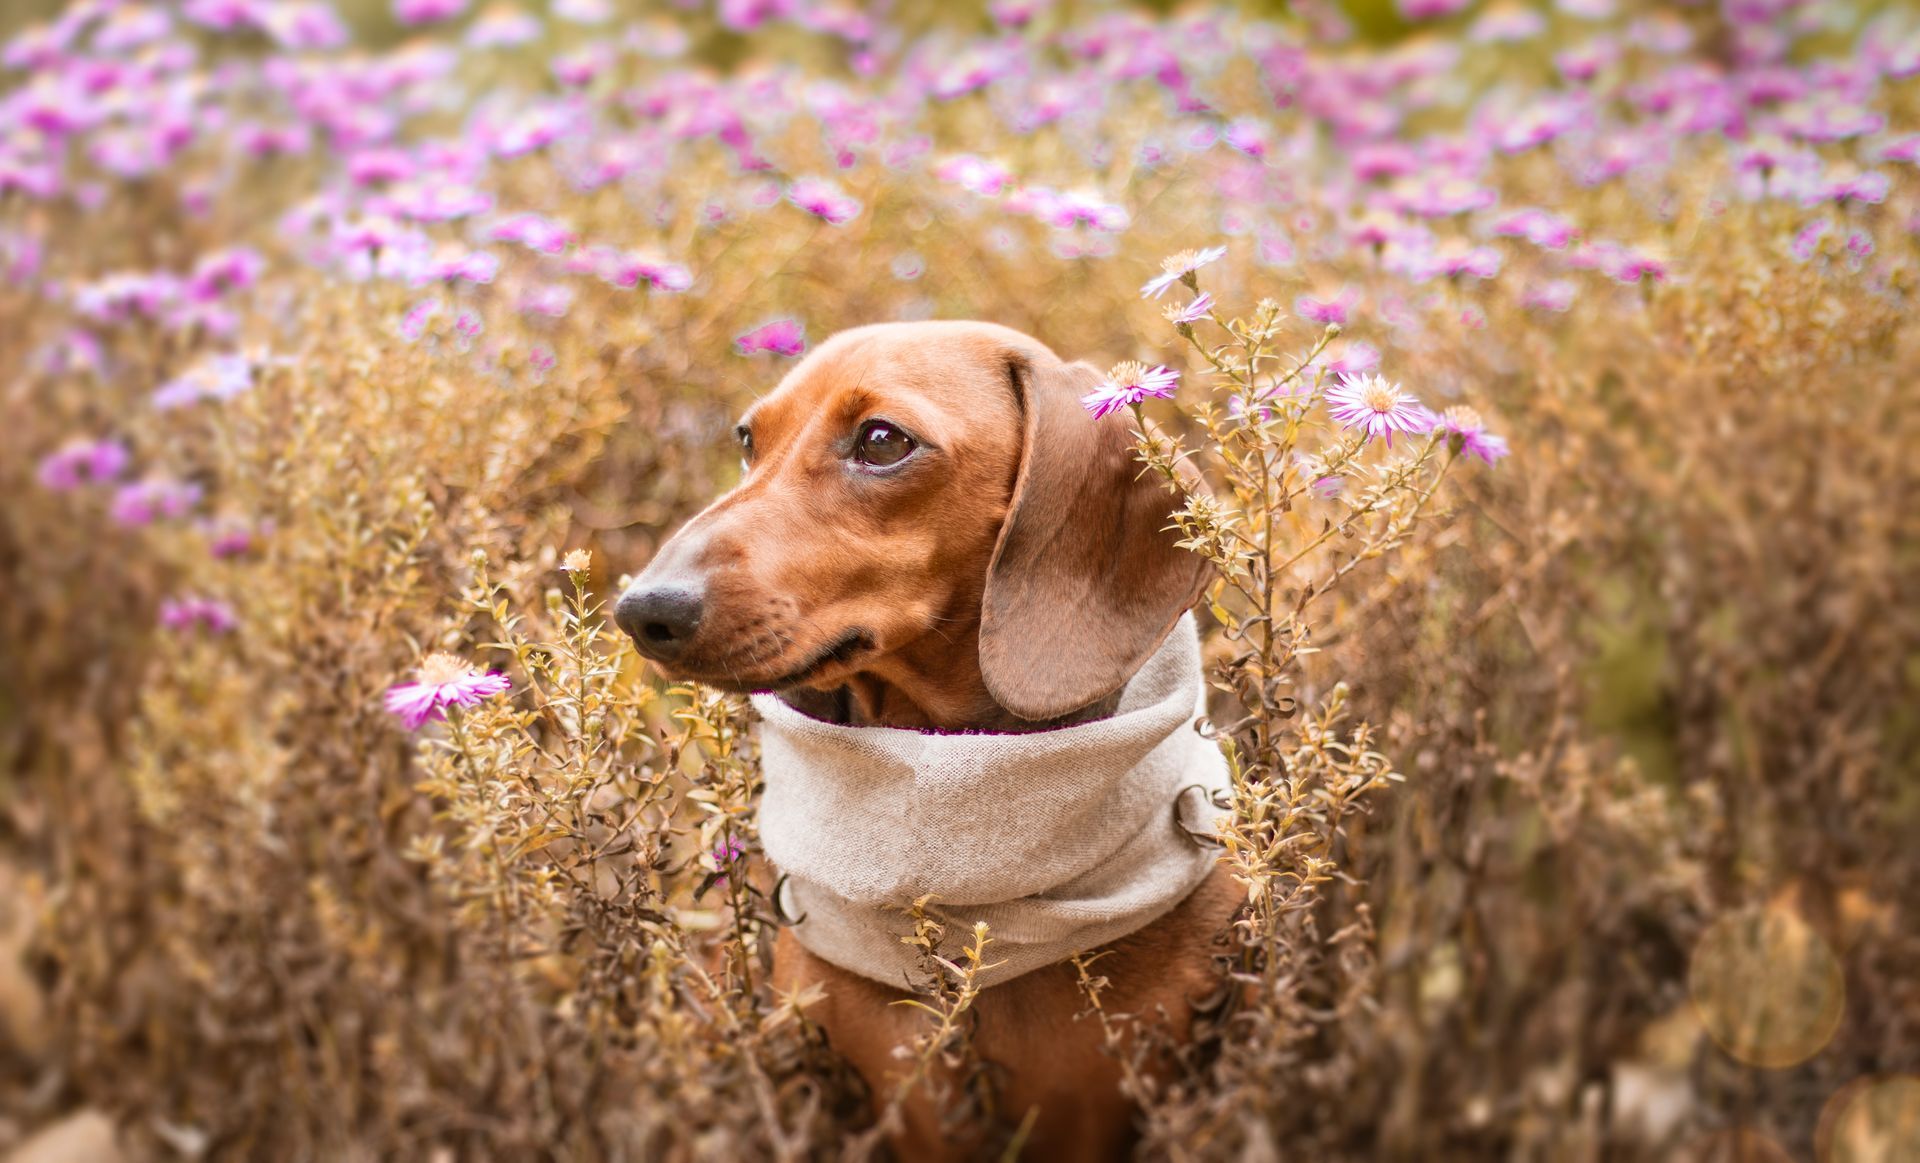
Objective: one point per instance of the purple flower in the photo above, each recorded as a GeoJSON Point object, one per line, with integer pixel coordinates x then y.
{"type": "Point", "coordinates": [1178, 268]}
{"type": "Point", "coordinates": [1549, 231]}
{"type": "Point", "coordinates": [1355, 358]}
{"type": "Point", "coordinates": [1443, 197]}
{"type": "Point", "coordinates": [983, 177]}
{"type": "Point", "coordinates": [1334, 310]}
{"type": "Point", "coordinates": [380, 164]}
{"type": "Point", "coordinates": [1431, 9]}
{"type": "Point", "coordinates": [145, 501]}
{"type": "Point", "coordinates": [1128, 384]}
{"type": "Point", "coordinates": [1554, 295]}
{"type": "Point", "coordinates": [1806, 240]}
{"type": "Point", "coordinates": [1870, 187]}
{"type": "Point", "coordinates": [1507, 23]}
{"type": "Point", "coordinates": [1630, 266]}
{"type": "Point", "coordinates": [1080, 208]}
{"type": "Point", "coordinates": [473, 266]}
{"type": "Point", "coordinates": [234, 269]}
{"type": "Point", "coordinates": [1249, 135]}
{"type": "Point", "coordinates": [1904, 149]}
{"type": "Point", "coordinates": [498, 27]}
{"type": "Point", "coordinates": [414, 12]}
{"type": "Point", "coordinates": [552, 300]}
{"type": "Point", "coordinates": [299, 26]}
{"type": "Point", "coordinates": [1468, 434]}
{"type": "Point", "coordinates": [723, 857]}
{"type": "Point", "coordinates": [413, 324]}
{"type": "Point", "coordinates": [188, 613]}
{"type": "Point", "coordinates": [1456, 258]}
{"type": "Point", "coordinates": [781, 337]}
{"type": "Point", "coordinates": [444, 681]}
{"type": "Point", "coordinates": [230, 538]}
{"type": "Point", "coordinates": [82, 461]}
{"type": "Point", "coordinates": [823, 200]}
{"type": "Point", "coordinates": [1376, 407]}
{"type": "Point", "coordinates": [226, 15]}
{"type": "Point", "coordinates": [1193, 312]}
{"type": "Point", "coordinates": [217, 377]}
{"type": "Point", "coordinates": [630, 270]}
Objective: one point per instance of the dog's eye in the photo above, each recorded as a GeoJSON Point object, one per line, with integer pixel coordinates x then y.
{"type": "Point", "coordinates": [746, 443]}
{"type": "Point", "coordinates": [881, 444]}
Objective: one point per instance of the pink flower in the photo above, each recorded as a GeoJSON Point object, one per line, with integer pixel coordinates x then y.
{"type": "Point", "coordinates": [630, 270]}
{"type": "Point", "coordinates": [534, 233]}
{"type": "Point", "coordinates": [1080, 208]}
{"type": "Point", "coordinates": [1128, 384]}
{"type": "Point", "coordinates": [1630, 266]}
{"type": "Point", "coordinates": [143, 502]}
{"type": "Point", "coordinates": [1179, 268]}
{"type": "Point", "coordinates": [1430, 9]}
{"type": "Point", "coordinates": [1904, 149]}
{"type": "Point", "coordinates": [81, 461]}
{"type": "Point", "coordinates": [413, 324]}
{"type": "Point", "coordinates": [414, 12]}
{"type": "Point", "coordinates": [1356, 358]}
{"type": "Point", "coordinates": [553, 300]}
{"type": "Point", "coordinates": [187, 613]}
{"type": "Point", "coordinates": [1376, 407]}
{"type": "Point", "coordinates": [234, 269]}
{"type": "Point", "coordinates": [1193, 312]}
{"type": "Point", "coordinates": [1249, 135]}
{"type": "Point", "coordinates": [823, 200]}
{"type": "Point", "coordinates": [781, 337]}
{"type": "Point", "coordinates": [1870, 187]}
{"type": "Point", "coordinates": [1553, 295]}
{"type": "Point", "coordinates": [216, 377]}
{"type": "Point", "coordinates": [983, 177]}
{"type": "Point", "coordinates": [231, 538]}
{"type": "Point", "coordinates": [1539, 227]}
{"type": "Point", "coordinates": [1468, 434]}
{"type": "Point", "coordinates": [724, 857]}
{"type": "Point", "coordinates": [501, 27]}
{"type": "Point", "coordinates": [1334, 310]}
{"type": "Point", "coordinates": [1806, 241]}
{"type": "Point", "coordinates": [445, 681]}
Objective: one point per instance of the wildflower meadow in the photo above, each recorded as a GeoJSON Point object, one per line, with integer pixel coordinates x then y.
{"type": "Point", "coordinates": [1539, 378]}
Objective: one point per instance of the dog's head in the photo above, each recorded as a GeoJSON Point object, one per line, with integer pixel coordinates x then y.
{"type": "Point", "coordinates": [923, 482]}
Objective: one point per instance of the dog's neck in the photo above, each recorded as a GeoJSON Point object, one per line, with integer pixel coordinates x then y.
{"type": "Point", "coordinates": [931, 684]}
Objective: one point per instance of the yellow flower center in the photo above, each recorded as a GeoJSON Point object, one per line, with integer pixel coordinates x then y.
{"type": "Point", "coordinates": [1380, 396]}
{"type": "Point", "coordinates": [439, 669]}
{"type": "Point", "coordinates": [1127, 374]}
{"type": "Point", "coordinates": [1180, 264]}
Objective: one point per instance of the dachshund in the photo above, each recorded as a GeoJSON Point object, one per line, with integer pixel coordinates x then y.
{"type": "Point", "coordinates": [931, 532]}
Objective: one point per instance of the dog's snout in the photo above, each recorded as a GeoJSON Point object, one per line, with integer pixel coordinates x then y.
{"type": "Point", "coordinates": [661, 619]}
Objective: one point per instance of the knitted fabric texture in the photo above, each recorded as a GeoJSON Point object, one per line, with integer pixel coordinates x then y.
{"type": "Point", "coordinates": [1060, 840]}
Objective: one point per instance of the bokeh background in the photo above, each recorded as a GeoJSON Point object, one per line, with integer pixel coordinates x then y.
{"type": "Point", "coordinates": [328, 329]}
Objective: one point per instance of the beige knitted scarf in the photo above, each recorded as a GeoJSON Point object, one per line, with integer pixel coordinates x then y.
{"type": "Point", "coordinates": [1060, 840]}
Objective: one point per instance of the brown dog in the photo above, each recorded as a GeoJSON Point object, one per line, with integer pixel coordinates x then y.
{"type": "Point", "coordinates": [933, 533]}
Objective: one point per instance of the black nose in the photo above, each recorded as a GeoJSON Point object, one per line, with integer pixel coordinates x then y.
{"type": "Point", "coordinates": [660, 619]}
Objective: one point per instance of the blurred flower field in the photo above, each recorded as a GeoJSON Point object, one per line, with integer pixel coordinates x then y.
{"type": "Point", "coordinates": [353, 353]}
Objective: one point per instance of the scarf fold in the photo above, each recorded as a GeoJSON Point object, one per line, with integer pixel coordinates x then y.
{"type": "Point", "coordinates": [1060, 840]}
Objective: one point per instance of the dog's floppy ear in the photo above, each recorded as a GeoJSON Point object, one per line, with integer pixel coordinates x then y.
{"type": "Point", "coordinates": [1087, 577]}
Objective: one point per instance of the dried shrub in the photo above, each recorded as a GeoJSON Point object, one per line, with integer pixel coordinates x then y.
{"type": "Point", "coordinates": [329, 350]}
